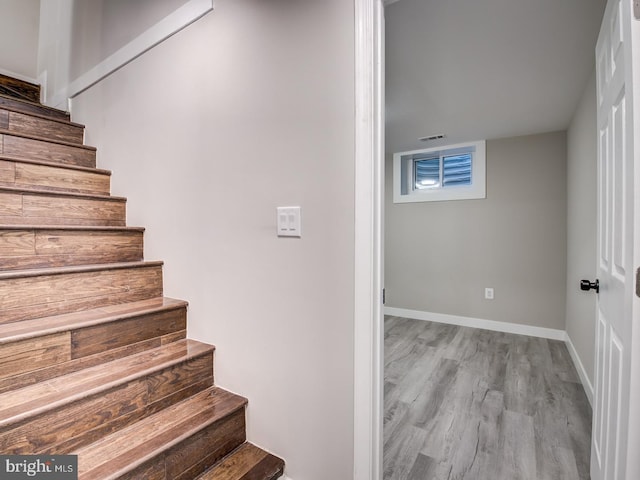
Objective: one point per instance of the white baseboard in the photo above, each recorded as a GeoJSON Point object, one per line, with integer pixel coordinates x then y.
{"type": "Point", "coordinates": [550, 333]}
{"type": "Point", "coordinates": [582, 372]}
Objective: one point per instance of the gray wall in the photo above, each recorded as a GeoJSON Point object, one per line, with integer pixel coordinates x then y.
{"type": "Point", "coordinates": [581, 226]}
{"type": "Point", "coordinates": [19, 20]}
{"type": "Point", "coordinates": [439, 256]}
{"type": "Point", "coordinates": [250, 108]}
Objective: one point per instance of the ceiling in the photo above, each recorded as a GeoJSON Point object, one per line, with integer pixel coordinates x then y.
{"type": "Point", "coordinates": [485, 69]}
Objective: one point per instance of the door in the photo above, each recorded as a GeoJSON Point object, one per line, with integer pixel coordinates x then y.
{"type": "Point", "coordinates": [615, 448]}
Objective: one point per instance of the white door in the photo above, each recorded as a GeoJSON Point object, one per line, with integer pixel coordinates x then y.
{"type": "Point", "coordinates": [615, 448]}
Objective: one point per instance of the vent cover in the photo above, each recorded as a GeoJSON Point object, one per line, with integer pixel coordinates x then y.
{"type": "Point", "coordinates": [432, 137]}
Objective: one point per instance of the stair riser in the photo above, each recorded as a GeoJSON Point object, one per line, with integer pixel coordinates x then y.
{"type": "Point", "coordinates": [53, 248]}
{"type": "Point", "coordinates": [33, 354]}
{"type": "Point", "coordinates": [100, 338]}
{"type": "Point", "coordinates": [73, 426]}
{"type": "Point", "coordinates": [248, 462]}
{"type": "Point", "coordinates": [57, 179]}
{"type": "Point", "coordinates": [31, 108]}
{"type": "Point", "coordinates": [35, 209]}
{"type": "Point", "coordinates": [197, 453]}
{"type": "Point", "coordinates": [49, 152]}
{"type": "Point", "coordinates": [43, 374]}
{"type": "Point", "coordinates": [40, 127]}
{"type": "Point", "coordinates": [37, 359]}
{"type": "Point", "coordinates": [45, 295]}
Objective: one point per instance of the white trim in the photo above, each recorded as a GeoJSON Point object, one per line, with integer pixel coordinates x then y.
{"type": "Point", "coordinates": [42, 81]}
{"type": "Point", "coordinates": [165, 28]}
{"type": "Point", "coordinates": [507, 327]}
{"type": "Point", "coordinates": [18, 76]}
{"type": "Point", "coordinates": [582, 372]}
{"type": "Point", "coordinates": [369, 176]}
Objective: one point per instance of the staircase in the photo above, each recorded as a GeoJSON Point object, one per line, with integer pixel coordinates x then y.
{"type": "Point", "coordinates": [94, 361]}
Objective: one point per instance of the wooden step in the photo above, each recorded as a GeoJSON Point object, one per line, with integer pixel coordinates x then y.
{"type": "Point", "coordinates": [24, 247]}
{"type": "Point", "coordinates": [247, 462]}
{"type": "Point", "coordinates": [13, 120]}
{"type": "Point", "coordinates": [65, 413]}
{"type": "Point", "coordinates": [40, 148]}
{"type": "Point", "coordinates": [177, 443]}
{"type": "Point", "coordinates": [38, 350]}
{"type": "Point", "coordinates": [32, 107]}
{"type": "Point", "coordinates": [27, 294]}
{"type": "Point", "coordinates": [19, 88]}
{"type": "Point", "coordinates": [24, 206]}
{"type": "Point", "coordinates": [25, 173]}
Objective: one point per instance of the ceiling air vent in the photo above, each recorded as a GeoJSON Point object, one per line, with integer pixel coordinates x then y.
{"type": "Point", "coordinates": [432, 137]}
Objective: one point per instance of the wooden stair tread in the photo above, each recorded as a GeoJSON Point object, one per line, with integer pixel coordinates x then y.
{"type": "Point", "coordinates": [67, 166]}
{"type": "Point", "coordinates": [124, 450]}
{"type": "Point", "coordinates": [25, 106]}
{"type": "Point", "coordinates": [35, 293]}
{"type": "Point", "coordinates": [16, 109]}
{"type": "Point", "coordinates": [16, 331]}
{"type": "Point", "coordinates": [247, 462]}
{"type": "Point", "coordinates": [41, 206]}
{"type": "Point", "coordinates": [89, 228]}
{"type": "Point", "coordinates": [42, 175]}
{"type": "Point", "coordinates": [20, 143]}
{"type": "Point", "coordinates": [27, 402]}
{"type": "Point", "coordinates": [13, 120]}
{"type": "Point", "coordinates": [77, 269]}
{"type": "Point", "coordinates": [55, 193]}
{"type": "Point", "coordinates": [47, 140]}
{"type": "Point", "coordinates": [47, 246]}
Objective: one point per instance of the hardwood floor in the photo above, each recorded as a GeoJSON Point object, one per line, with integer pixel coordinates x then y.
{"type": "Point", "coordinates": [469, 404]}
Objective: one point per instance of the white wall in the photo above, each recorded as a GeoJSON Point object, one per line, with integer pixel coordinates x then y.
{"type": "Point", "coordinates": [581, 226]}
{"type": "Point", "coordinates": [115, 23]}
{"type": "Point", "coordinates": [19, 21]}
{"type": "Point", "coordinates": [249, 108]}
{"type": "Point", "coordinates": [82, 41]}
{"type": "Point", "coordinates": [440, 256]}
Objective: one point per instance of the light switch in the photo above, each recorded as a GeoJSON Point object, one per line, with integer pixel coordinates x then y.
{"type": "Point", "coordinates": [289, 222]}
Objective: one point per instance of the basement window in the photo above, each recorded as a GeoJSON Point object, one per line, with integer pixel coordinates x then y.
{"type": "Point", "coordinates": [453, 172]}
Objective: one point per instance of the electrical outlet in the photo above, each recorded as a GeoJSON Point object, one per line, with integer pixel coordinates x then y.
{"type": "Point", "coordinates": [488, 293]}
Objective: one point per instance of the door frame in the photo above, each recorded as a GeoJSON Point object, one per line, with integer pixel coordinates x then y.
{"type": "Point", "coordinates": [368, 242]}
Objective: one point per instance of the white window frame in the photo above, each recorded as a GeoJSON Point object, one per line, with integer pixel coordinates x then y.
{"type": "Point", "coordinates": [477, 189]}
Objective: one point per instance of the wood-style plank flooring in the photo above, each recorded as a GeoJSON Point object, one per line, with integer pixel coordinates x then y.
{"type": "Point", "coordinates": [470, 404]}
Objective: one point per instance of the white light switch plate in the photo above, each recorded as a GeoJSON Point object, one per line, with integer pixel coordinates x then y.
{"type": "Point", "coordinates": [289, 222]}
